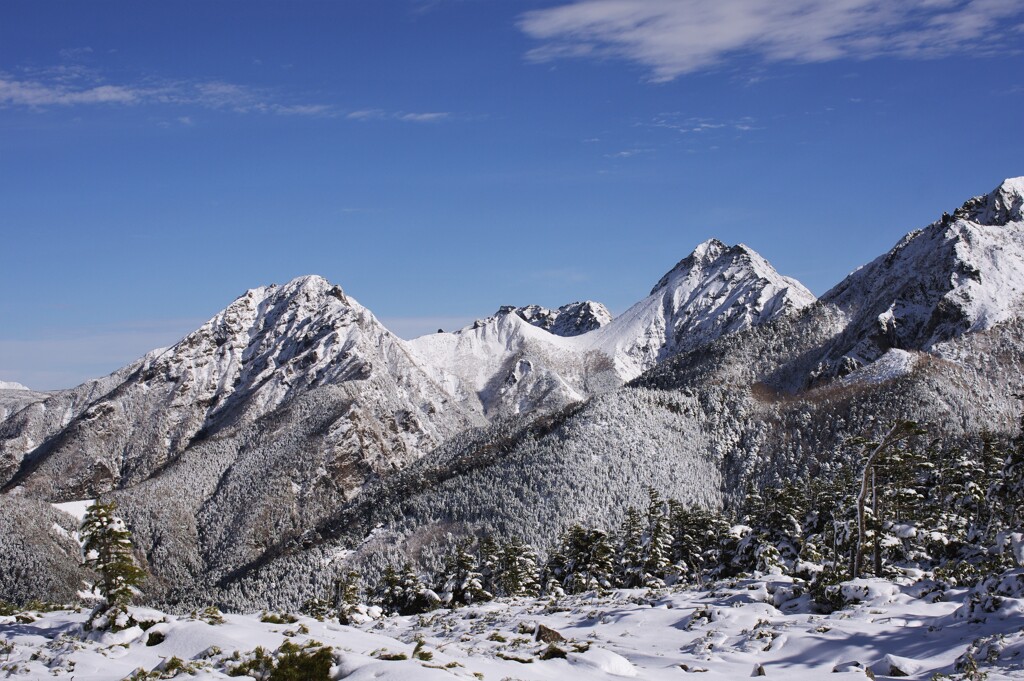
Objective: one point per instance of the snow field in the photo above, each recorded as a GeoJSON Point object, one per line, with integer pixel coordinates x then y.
{"type": "Point", "coordinates": [733, 631]}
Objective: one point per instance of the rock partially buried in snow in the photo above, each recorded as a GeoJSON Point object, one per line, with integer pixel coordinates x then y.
{"type": "Point", "coordinates": [547, 635]}
{"type": "Point", "coordinates": [893, 665]}
{"type": "Point", "coordinates": [848, 667]}
{"type": "Point", "coordinates": [870, 591]}
{"type": "Point", "coordinates": [603, 660]}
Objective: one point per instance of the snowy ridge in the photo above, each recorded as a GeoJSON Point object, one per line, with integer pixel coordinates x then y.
{"type": "Point", "coordinates": [573, 319]}
{"type": "Point", "coordinates": [961, 274]}
{"type": "Point", "coordinates": [275, 342]}
{"type": "Point", "coordinates": [506, 365]}
{"type": "Point", "coordinates": [511, 363]}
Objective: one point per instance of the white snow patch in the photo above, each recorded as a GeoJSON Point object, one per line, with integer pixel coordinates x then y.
{"type": "Point", "coordinates": [893, 364]}
{"type": "Point", "coordinates": [75, 509]}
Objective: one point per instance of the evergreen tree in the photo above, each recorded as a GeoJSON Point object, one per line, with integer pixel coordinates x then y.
{"type": "Point", "coordinates": [589, 557]}
{"type": "Point", "coordinates": [657, 542]}
{"type": "Point", "coordinates": [488, 553]}
{"type": "Point", "coordinates": [517, 571]}
{"type": "Point", "coordinates": [463, 583]}
{"type": "Point", "coordinates": [389, 594]}
{"type": "Point", "coordinates": [631, 557]}
{"type": "Point", "coordinates": [697, 537]}
{"type": "Point", "coordinates": [347, 596]}
{"type": "Point", "coordinates": [415, 597]}
{"type": "Point", "coordinates": [107, 548]}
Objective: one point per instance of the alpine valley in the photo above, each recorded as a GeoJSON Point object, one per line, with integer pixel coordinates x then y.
{"type": "Point", "coordinates": [293, 438]}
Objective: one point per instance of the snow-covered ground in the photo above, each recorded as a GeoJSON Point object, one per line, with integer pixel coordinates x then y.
{"type": "Point", "coordinates": [744, 629]}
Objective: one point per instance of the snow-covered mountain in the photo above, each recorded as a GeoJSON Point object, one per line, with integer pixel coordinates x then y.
{"type": "Point", "coordinates": [293, 419]}
{"type": "Point", "coordinates": [963, 273]}
{"type": "Point", "coordinates": [266, 348]}
{"type": "Point", "coordinates": [522, 359]}
{"type": "Point", "coordinates": [714, 291]}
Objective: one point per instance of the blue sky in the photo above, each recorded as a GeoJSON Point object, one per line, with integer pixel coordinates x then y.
{"type": "Point", "coordinates": [441, 158]}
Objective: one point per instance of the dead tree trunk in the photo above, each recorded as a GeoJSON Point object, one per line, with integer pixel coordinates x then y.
{"type": "Point", "coordinates": [901, 430]}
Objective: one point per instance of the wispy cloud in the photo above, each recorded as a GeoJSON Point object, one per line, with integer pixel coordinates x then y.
{"type": "Point", "coordinates": [628, 153]}
{"type": "Point", "coordinates": [74, 85]}
{"type": "Point", "coordinates": [675, 37]}
{"type": "Point", "coordinates": [695, 125]}
{"type": "Point", "coordinates": [404, 116]}
{"type": "Point", "coordinates": [73, 53]}
{"type": "Point", "coordinates": [36, 94]}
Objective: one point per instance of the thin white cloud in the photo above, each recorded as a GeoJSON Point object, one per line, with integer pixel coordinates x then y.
{"type": "Point", "coordinates": [689, 124]}
{"type": "Point", "coordinates": [75, 52]}
{"type": "Point", "coordinates": [628, 153]}
{"type": "Point", "coordinates": [77, 86]}
{"type": "Point", "coordinates": [427, 117]}
{"type": "Point", "coordinates": [675, 37]}
{"type": "Point", "coordinates": [366, 115]}
{"type": "Point", "coordinates": [35, 94]}
{"type": "Point", "coordinates": [403, 116]}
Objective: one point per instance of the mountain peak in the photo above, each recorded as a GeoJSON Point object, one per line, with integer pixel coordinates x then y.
{"type": "Point", "coordinates": [712, 253]}
{"type": "Point", "coordinates": [573, 319]}
{"type": "Point", "coordinates": [715, 290]}
{"type": "Point", "coordinates": [1001, 206]}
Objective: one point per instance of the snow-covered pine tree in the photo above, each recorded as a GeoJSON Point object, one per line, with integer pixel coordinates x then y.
{"type": "Point", "coordinates": [657, 542]}
{"type": "Point", "coordinates": [488, 556]}
{"type": "Point", "coordinates": [107, 550]}
{"type": "Point", "coordinates": [758, 547]}
{"type": "Point", "coordinates": [697, 540]}
{"type": "Point", "coordinates": [555, 571]}
{"type": "Point", "coordinates": [517, 569]}
{"type": "Point", "coordinates": [462, 580]}
{"type": "Point", "coordinates": [389, 594]}
{"type": "Point", "coordinates": [416, 597]}
{"type": "Point", "coordinates": [1008, 491]}
{"type": "Point", "coordinates": [347, 596]}
{"type": "Point", "coordinates": [589, 560]}
{"type": "Point", "coordinates": [631, 558]}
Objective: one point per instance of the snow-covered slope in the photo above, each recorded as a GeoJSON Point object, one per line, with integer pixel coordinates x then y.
{"type": "Point", "coordinates": [963, 273]}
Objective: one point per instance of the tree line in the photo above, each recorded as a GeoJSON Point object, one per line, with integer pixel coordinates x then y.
{"type": "Point", "coordinates": [903, 506]}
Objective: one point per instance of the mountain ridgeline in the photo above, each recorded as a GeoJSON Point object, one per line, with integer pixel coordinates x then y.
{"type": "Point", "coordinates": [293, 436]}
